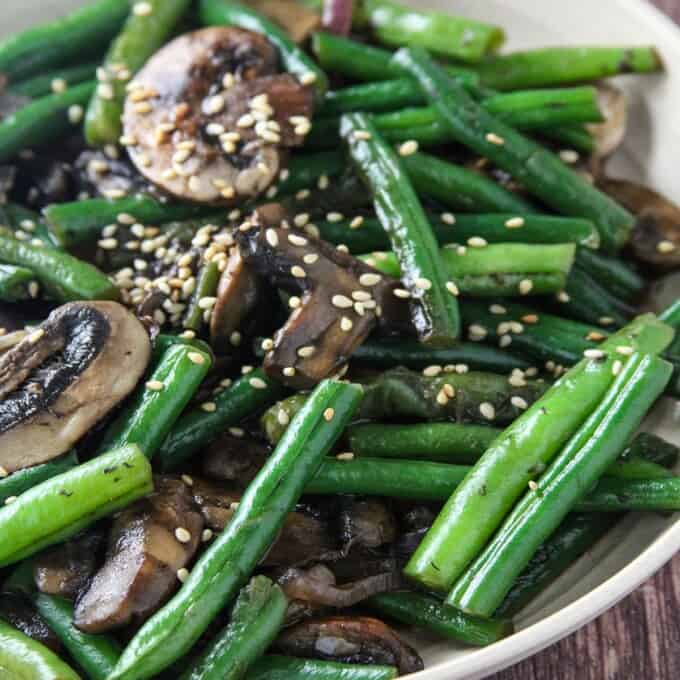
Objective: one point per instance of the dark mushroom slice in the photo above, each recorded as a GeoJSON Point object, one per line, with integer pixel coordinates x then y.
{"type": "Point", "coordinates": [97, 174]}
{"type": "Point", "coordinates": [208, 119]}
{"type": "Point", "coordinates": [656, 236]}
{"type": "Point", "coordinates": [299, 20]}
{"type": "Point", "coordinates": [359, 640]}
{"type": "Point", "coordinates": [368, 523]}
{"type": "Point", "coordinates": [317, 587]}
{"type": "Point", "coordinates": [304, 538]}
{"type": "Point", "coordinates": [64, 377]}
{"type": "Point", "coordinates": [609, 134]}
{"type": "Point", "coordinates": [234, 459]}
{"type": "Point", "coordinates": [66, 569]}
{"type": "Point", "coordinates": [341, 301]}
{"type": "Point", "coordinates": [18, 612]}
{"type": "Point", "coordinates": [149, 543]}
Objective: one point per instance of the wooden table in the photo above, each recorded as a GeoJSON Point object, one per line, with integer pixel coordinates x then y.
{"type": "Point", "coordinates": [637, 640]}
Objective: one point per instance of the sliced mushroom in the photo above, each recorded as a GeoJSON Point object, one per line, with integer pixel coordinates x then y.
{"type": "Point", "coordinates": [298, 20]}
{"type": "Point", "coordinates": [235, 460]}
{"type": "Point", "coordinates": [17, 611]}
{"type": "Point", "coordinates": [656, 236]}
{"type": "Point", "coordinates": [317, 586]}
{"type": "Point", "coordinates": [207, 118]}
{"type": "Point", "coordinates": [342, 300]}
{"type": "Point", "coordinates": [359, 640]}
{"type": "Point", "coordinates": [66, 569]}
{"type": "Point", "coordinates": [304, 537]}
{"type": "Point", "coordinates": [368, 523]}
{"type": "Point", "coordinates": [64, 376]}
{"type": "Point", "coordinates": [610, 133]}
{"type": "Point", "coordinates": [150, 541]}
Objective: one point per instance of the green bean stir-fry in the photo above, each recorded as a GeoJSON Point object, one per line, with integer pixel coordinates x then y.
{"type": "Point", "coordinates": [318, 318]}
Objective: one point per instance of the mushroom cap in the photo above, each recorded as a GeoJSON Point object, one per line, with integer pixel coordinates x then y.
{"type": "Point", "coordinates": [207, 117]}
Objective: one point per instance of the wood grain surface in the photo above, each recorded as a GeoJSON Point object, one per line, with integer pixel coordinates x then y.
{"type": "Point", "coordinates": [637, 640]}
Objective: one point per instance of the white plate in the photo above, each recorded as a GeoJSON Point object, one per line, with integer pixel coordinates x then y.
{"type": "Point", "coordinates": [641, 544]}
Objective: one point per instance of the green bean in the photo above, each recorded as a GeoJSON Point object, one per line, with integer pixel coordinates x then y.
{"type": "Point", "coordinates": [432, 615]}
{"type": "Point", "coordinates": [642, 495]}
{"type": "Point", "coordinates": [142, 34]}
{"type": "Point", "coordinates": [23, 480]}
{"type": "Point", "coordinates": [435, 308]}
{"type": "Point", "coordinates": [448, 228]}
{"type": "Point", "coordinates": [575, 536]}
{"type": "Point", "coordinates": [574, 137]}
{"type": "Point", "coordinates": [439, 442]}
{"type": "Point", "coordinates": [408, 479]}
{"type": "Point", "coordinates": [589, 302]}
{"type": "Point", "coordinates": [45, 84]}
{"type": "Point", "coordinates": [58, 508]}
{"type": "Point", "coordinates": [523, 450]}
{"type": "Point", "coordinates": [228, 562]}
{"type": "Point", "coordinates": [465, 355]}
{"type": "Point", "coordinates": [155, 407]}
{"type": "Point", "coordinates": [293, 58]}
{"type": "Point", "coordinates": [634, 468]}
{"type": "Point", "coordinates": [654, 449]}
{"type": "Point", "coordinates": [74, 36]}
{"type": "Point", "coordinates": [288, 668]}
{"type": "Point", "coordinates": [366, 62]}
{"type": "Point", "coordinates": [208, 278]}
{"type": "Point", "coordinates": [592, 449]}
{"type": "Point", "coordinates": [42, 121]}
{"type": "Point", "coordinates": [63, 276]}
{"type": "Point", "coordinates": [543, 336]}
{"type": "Point", "coordinates": [17, 284]}
{"type": "Point", "coordinates": [459, 188]}
{"type": "Point", "coordinates": [540, 172]}
{"type": "Point", "coordinates": [255, 621]}
{"type": "Point", "coordinates": [671, 315]}
{"type": "Point", "coordinates": [611, 273]}
{"type": "Point", "coordinates": [95, 654]}
{"type": "Point", "coordinates": [444, 34]}
{"type": "Point", "coordinates": [22, 658]}
{"type": "Point", "coordinates": [199, 427]}
{"type": "Point", "coordinates": [556, 66]}
{"type": "Point", "coordinates": [82, 221]}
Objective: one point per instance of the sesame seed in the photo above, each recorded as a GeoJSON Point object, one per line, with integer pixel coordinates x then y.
{"type": "Point", "coordinates": [75, 114]}
{"type": "Point", "coordinates": [267, 344]}
{"type": "Point", "coordinates": [519, 402]}
{"type": "Point", "coordinates": [182, 535]}
{"type": "Point", "coordinates": [594, 354]}
{"type": "Point", "coordinates": [362, 135]}
{"type": "Point", "coordinates": [452, 288]}
{"type": "Point", "coordinates": [308, 78]}
{"type": "Point", "coordinates": [297, 240]}
{"type": "Point", "coordinates": [10, 499]}
{"type": "Point", "coordinates": [423, 284]}
{"type": "Point", "coordinates": [595, 336]}
{"type": "Point", "coordinates": [569, 156]}
{"type": "Point", "coordinates": [532, 485]}
{"type": "Point", "coordinates": [517, 380]}
{"type": "Point", "coordinates": [477, 242]}
{"type": "Point", "coordinates": [282, 417]}
{"type": "Point", "coordinates": [207, 302]}
{"type": "Point", "coordinates": [505, 341]}
{"type": "Point", "coordinates": [461, 250]}
{"type": "Point", "coordinates": [449, 390]}
{"type": "Point", "coordinates": [258, 383]}
{"type": "Point", "coordinates": [525, 286]}
{"type": "Point", "coordinates": [477, 331]}
{"type": "Point", "coordinates": [310, 258]}
{"type": "Point", "coordinates": [448, 218]}
{"type": "Point", "coordinates": [401, 293]}
{"type": "Point", "coordinates": [493, 138]}
{"type": "Point", "coordinates": [341, 301]}
{"type": "Point", "coordinates": [298, 272]}
{"type": "Point", "coordinates": [624, 350]}
{"type": "Point", "coordinates": [142, 9]}
{"type": "Point", "coordinates": [616, 367]}
{"type": "Point", "coordinates": [345, 456]}
{"type": "Point", "coordinates": [289, 371]}
{"type": "Point", "coordinates": [356, 222]}
{"type": "Point", "coordinates": [328, 414]}
{"type": "Point", "coordinates": [346, 324]}
{"type": "Point", "coordinates": [563, 296]}
{"type": "Point", "coordinates": [442, 398]}
{"type": "Point", "coordinates": [306, 352]}
{"type": "Point", "coordinates": [606, 320]}
{"type": "Point", "coordinates": [247, 369]}
{"type": "Point", "coordinates": [3, 472]}
{"type": "Point", "coordinates": [369, 279]}
{"type": "Point", "coordinates": [408, 148]}
{"type": "Point", "coordinates": [236, 432]}
{"type": "Point", "coordinates": [515, 223]}
{"type": "Point", "coordinates": [361, 295]}
{"type": "Point", "coordinates": [58, 85]}
{"type": "Point", "coordinates": [155, 385]}
{"type": "Point", "coordinates": [245, 121]}
{"type": "Point", "coordinates": [432, 371]}
{"type": "Point", "coordinates": [294, 302]}
{"type": "Point", "coordinates": [487, 410]}
{"type": "Point", "coordinates": [35, 336]}
{"type": "Point", "coordinates": [209, 406]}
{"type": "Point", "coordinates": [498, 309]}
{"type": "Point", "coordinates": [196, 358]}
{"type": "Point", "coordinates": [665, 247]}
{"type": "Point", "coordinates": [182, 575]}
{"type": "Point", "coordinates": [105, 91]}
{"type": "Point", "coordinates": [108, 243]}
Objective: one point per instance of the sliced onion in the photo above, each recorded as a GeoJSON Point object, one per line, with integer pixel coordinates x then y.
{"type": "Point", "coordinates": [337, 16]}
